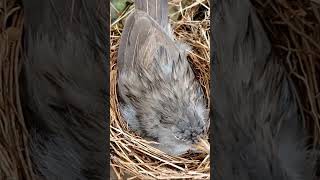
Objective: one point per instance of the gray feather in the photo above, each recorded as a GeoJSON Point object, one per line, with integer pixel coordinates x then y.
{"type": "Point", "coordinates": [157, 9]}
{"type": "Point", "coordinates": [157, 83]}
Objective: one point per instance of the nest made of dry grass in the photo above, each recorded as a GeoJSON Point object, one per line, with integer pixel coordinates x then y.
{"type": "Point", "coordinates": [130, 154]}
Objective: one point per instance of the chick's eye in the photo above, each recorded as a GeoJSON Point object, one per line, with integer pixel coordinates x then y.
{"type": "Point", "coordinates": [165, 119]}
{"type": "Point", "coordinates": [164, 116]}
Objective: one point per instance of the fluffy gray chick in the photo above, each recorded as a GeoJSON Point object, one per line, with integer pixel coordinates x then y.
{"type": "Point", "coordinates": [160, 97]}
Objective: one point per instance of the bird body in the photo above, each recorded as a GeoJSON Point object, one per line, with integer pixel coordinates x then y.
{"type": "Point", "coordinates": [160, 96]}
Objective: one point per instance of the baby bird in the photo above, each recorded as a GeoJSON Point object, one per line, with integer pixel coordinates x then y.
{"type": "Point", "coordinates": [160, 98]}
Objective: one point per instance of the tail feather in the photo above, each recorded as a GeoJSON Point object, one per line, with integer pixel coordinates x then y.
{"type": "Point", "coordinates": [157, 9]}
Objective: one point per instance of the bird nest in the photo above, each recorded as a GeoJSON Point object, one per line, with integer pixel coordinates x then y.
{"type": "Point", "coordinates": [292, 26]}
{"type": "Point", "coordinates": [132, 156]}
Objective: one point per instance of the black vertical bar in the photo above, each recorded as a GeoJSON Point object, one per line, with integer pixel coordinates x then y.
{"type": "Point", "coordinates": [65, 87]}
